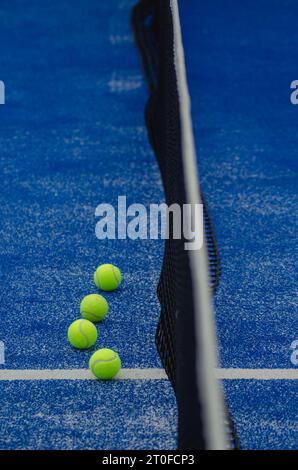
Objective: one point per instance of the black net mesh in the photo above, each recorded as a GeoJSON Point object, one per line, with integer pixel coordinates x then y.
{"type": "Point", "coordinates": [175, 338]}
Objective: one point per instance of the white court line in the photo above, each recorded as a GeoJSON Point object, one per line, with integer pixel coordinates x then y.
{"type": "Point", "coordinates": [257, 374]}
{"type": "Point", "coordinates": [143, 374]}
{"type": "Point", "coordinates": [78, 374]}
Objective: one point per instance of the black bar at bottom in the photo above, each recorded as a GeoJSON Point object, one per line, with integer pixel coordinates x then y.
{"type": "Point", "coordinates": [132, 459]}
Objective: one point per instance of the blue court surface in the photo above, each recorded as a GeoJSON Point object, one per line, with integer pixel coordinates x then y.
{"type": "Point", "coordinates": [245, 127]}
{"type": "Point", "coordinates": [73, 136]}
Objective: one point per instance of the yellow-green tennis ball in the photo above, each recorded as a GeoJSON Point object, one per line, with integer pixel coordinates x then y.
{"type": "Point", "coordinates": [94, 307]}
{"type": "Point", "coordinates": [82, 334]}
{"type": "Point", "coordinates": [105, 364]}
{"type": "Point", "coordinates": [107, 277]}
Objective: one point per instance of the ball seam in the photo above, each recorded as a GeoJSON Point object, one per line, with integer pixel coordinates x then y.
{"type": "Point", "coordinates": [98, 279]}
{"type": "Point", "coordinates": [93, 315]}
{"type": "Point", "coordinates": [115, 276]}
{"type": "Point", "coordinates": [100, 361]}
{"type": "Point", "coordinates": [83, 334]}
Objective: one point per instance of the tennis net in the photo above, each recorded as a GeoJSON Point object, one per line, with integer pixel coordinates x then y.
{"type": "Point", "coordinates": [185, 338]}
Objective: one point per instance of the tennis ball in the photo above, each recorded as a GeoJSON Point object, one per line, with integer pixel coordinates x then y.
{"type": "Point", "coordinates": [82, 334]}
{"type": "Point", "coordinates": [107, 277]}
{"type": "Point", "coordinates": [94, 307]}
{"type": "Point", "coordinates": [105, 364]}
